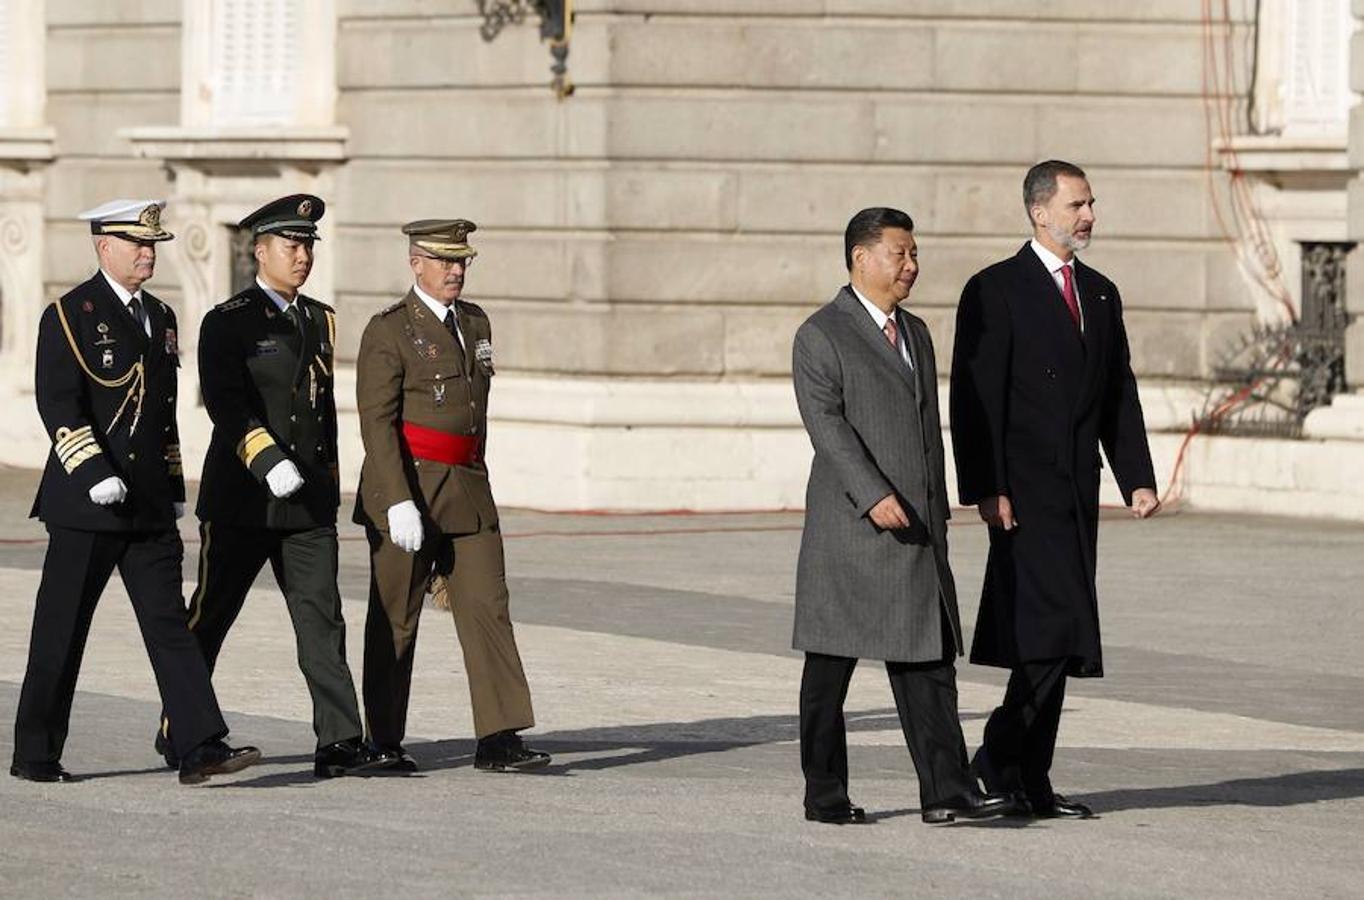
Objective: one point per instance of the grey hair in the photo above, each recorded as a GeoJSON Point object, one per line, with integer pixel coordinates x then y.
{"type": "Point", "coordinates": [1039, 185]}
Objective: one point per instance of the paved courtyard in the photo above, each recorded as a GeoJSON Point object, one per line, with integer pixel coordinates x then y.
{"type": "Point", "coordinates": [1224, 753]}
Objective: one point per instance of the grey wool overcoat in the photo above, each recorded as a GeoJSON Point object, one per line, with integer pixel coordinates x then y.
{"type": "Point", "coordinates": [862, 591]}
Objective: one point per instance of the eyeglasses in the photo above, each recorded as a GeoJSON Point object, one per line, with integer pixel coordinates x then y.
{"type": "Point", "coordinates": [447, 264]}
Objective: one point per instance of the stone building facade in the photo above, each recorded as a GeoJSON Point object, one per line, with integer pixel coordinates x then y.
{"type": "Point", "coordinates": [649, 244]}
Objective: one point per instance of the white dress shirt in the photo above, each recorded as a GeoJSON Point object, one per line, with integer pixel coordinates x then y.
{"type": "Point", "coordinates": [880, 319]}
{"type": "Point", "coordinates": [127, 298]}
{"type": "Point", "coordinates": [1054, 266]}
{"type": "Point", "coordinates": [282, 303]}
{"type": "Point", "coordinates": [438, 310]}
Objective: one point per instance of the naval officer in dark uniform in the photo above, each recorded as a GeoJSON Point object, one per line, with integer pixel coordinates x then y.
{"type": "Point", "coordinates": [269, 489]}
{"type": "Point", "coordinates": [110, 494]}
{"type": "Point", "coordinates": [423, 374]}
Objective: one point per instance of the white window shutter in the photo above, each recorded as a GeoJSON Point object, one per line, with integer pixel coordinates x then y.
{"type": "Point", "coordinates": [255, 62]}
{"type": "Point", "coordinates": [1316, 85]}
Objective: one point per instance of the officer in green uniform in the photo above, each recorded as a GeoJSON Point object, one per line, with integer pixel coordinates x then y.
{"type": "Point", "coordinates": [424, 370]}
{"type": "Point", "coordinates": [270, 483]}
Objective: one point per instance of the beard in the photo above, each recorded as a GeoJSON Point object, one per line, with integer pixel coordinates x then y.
{"type": "Point", "coordinates": [1072, 242]}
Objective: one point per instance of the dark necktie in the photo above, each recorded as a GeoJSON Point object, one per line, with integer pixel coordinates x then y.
{"type": "Point", "coordinates": [449, 322]}
{"type": "Point", "coordinates": [295, 316]}
{"type": "Point", "coordinates": [138, 314]}
{"type": "Point", "coordinates": [1068, 294]}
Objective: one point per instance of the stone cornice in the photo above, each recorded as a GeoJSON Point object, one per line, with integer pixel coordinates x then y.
{"type": "Point", "coordinates": [24, 147]}
{"type": "Point", "coordinates": [303, 147]}
{"type": "Point", "coordinates": [1287, 157]}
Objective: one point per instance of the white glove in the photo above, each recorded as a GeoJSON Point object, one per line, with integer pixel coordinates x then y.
{"type": "Point", "coordinates": [109, 491]}
{"type": "Point", "coordinates": [284, 479]}
{"type": "Point", "coordinates": [179, 510]}
{"type": "Point", "coordinates": [405, 526]}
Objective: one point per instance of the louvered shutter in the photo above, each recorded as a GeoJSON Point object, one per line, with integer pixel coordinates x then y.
{"type": "Point", "coordinates": [255, 61]}
{"type": "Point", "coordinates": [1316, 85]}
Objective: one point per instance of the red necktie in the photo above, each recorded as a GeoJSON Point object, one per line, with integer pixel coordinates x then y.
{"type": "Point", "coordinates": [889, 331]}
{"type": "Point", "coordinates": [1068, 292]}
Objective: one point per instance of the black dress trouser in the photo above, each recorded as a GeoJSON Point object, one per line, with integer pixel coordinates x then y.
{"type": "Point", "coordinates": [75, 571]}
{"type": "Point", "coordinates": [1020, 735]}
{"type": "Point", "coordinates": [926, 700]}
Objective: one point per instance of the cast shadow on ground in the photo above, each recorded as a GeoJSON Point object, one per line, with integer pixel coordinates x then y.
{"type": "Point", "coordinates": [611, 747]}
{"type": "Point", "coordinates": [1292, 789]}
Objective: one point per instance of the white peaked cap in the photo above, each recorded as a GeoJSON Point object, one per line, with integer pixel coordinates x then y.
{"type": "Point", "coordinates": [119, 210]}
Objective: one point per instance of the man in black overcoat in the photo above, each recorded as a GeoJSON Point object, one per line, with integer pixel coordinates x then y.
{"type": "Point", "coordinates": [1041, 378]}
{"type": "Point", "coordinates": [110, 494]}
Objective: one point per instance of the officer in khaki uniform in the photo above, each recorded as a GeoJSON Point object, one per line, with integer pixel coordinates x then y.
{"type": "Point", "coordinates": [424, 369]}
{"type": "Point", "coordinates": [270, 484]}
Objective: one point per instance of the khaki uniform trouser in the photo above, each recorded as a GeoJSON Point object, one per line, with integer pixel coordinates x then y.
{"type": "Point", "coordinates": [475, 572]}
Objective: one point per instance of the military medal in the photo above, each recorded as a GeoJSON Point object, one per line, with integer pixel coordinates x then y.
{"type": "Point", "coordinates": [107, 360]}
{"type": "Point", "coordinates": [438, 393]}
{"type": "Point", "coordinates": [104, 339]}
{"type": "Point", "coordinates": [172, 344]}
{"type": "Point", "coordinates": [483, 352]}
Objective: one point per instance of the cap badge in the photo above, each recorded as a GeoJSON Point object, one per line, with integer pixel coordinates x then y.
{"type": "Point", "coordinates": [305, 208]}
{"type": "Point", "coordinates": [150, 216]}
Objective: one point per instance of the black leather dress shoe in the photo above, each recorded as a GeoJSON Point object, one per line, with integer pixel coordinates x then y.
{"type": "Point", "coordinates": [847, 815]}
{"type": "Point", "coordinates": [396, 759]}
{"type": "Point", "coordinates": [970, 805]}
{"type": "Point", "coordinates": [347, 758]}
{"type": "Point", "coordinates": [163, 748]}
{"type": "Point", "coordinates": [1061, 808]}
{"type": "Point", "coordinates": [41, 771]}
{"type": "Point", "coordinates": [215, 758]}
{"type": "Point", "coordinates": [505, 752]}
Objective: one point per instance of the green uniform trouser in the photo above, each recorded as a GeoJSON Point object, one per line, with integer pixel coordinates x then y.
{"type": "Point", "coordinates": [305, 564]}
{"type": "Point", "coordinates": [476, 576]}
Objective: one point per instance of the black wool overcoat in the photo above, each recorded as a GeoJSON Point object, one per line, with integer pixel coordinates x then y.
{"type": "Point", "coordinates": [1032, 400]}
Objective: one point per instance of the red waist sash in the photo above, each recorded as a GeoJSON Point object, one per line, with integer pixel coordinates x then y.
{"type": "Point", "coordinates": [441, 446]}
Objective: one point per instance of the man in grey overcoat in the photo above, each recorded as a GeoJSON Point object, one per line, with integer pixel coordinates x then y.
{"type": "Point", "coordinates": [873, 579]}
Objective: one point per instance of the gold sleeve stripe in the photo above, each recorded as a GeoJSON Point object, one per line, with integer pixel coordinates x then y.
{"type": "Point", "coordinates": [65, 437]}
{"type": "Point", "coordinates": [71, 463]}
{"type": "Point", "coordinates": [256, 440]}
{"type": "Point", "coordinates": [69, 450]}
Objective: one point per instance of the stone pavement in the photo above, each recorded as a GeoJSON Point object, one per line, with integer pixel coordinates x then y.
{"type": "Point", "coordinates": [1224, 752]}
